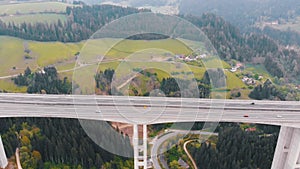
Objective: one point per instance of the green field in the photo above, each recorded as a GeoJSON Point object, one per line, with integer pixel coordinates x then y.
{"type": "Point", "coordinates": [62, 55]}
{"type": "Point", "coordinates": [42, 54]}
{"type": "Point", "coordinates": [258, 69]}
{"type": "Point", "coordinates": [127, 47]}
{"type": "Point", "coordinates": [9, 86]}
{"type": "Point", "coordinates": [37, 7]}
{"type": "Point", "coordinates": [233, 81]}
{"type": "Point", "coordinates": [49, 53]}
{"type": "Point", "coordinates": [85, 76]}
{"type": "Point", "coordinates": [215, 63]}
{"type": "Point", "coordinates": [34, 18]}
{"type": "Point", "coordinates": [115, 49]}
{"type": "Point", "coordinates": [12, 55]}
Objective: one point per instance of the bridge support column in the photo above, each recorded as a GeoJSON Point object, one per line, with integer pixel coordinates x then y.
{"type": "Point", "coordinates": [140, 147]}
{"type": "Point", "coordinates": [287, 153]}
{"type": "Point", "coordinates": [3, 159]}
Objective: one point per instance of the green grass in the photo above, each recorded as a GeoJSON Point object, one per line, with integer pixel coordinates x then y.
{"type": "Point", "coordinates": [215, 62]}
{"type": "Point", "coordinates": [161, 67]}
{"type": "Point", "coordinates": [9, 86]}
{"type": "Point", "coordinates": [61, 55]}
{"type": "Point", "coordinates": [126, 48]}
{"type": "Point", "coordinates": [64, 67]}
{"type": "Point", "coordinates": [245, 94]}
{"type": "Point", "coordinates": [233, 81]}
{"type": "Point", "coordinates": [195, 45]}
{"type": "Point", "coordinates": [34, 18]}
{"type": "Point", "coordinates": [36, 7]}
{"type": "Point", "coordinates": [42, 53]}
{"type": "Point", "coordinates": [48, 53]}
{"type": "Point", "coordinates": [85, 76]}
{"type": "Point", "coordinates": [164, 69]}
{"type": "Point", "coordinates": [258, 69]}
{"type": "Point", "coordinates": [161, 74]}
{"type": "Point", "coordinates": [11, 55]}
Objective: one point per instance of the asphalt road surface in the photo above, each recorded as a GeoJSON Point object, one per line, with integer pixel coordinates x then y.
{"type": "Point", "coordinates": [149, 110]}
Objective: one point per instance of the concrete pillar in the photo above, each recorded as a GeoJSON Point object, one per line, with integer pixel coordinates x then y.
{"type": "Point", "coordinates": [135, 142]}
{"type": "Point", "coordinates": [287, 153]}
{"type": "Point", "coordinates": [3, 158]}
{"type": "Point", "coordinates": [145, 138]}
{"type": "Point", "coordinates": [140, 147]}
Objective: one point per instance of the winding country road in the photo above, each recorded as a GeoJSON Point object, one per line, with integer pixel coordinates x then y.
{"type": "Point", "coordinates": [188, 153]}
{"type": "Point", "coordinates": [10, 76]}
{"type": "Point", "coordinates": [158, 141]}
{"type": "Point", "coordinates": [18, 159]}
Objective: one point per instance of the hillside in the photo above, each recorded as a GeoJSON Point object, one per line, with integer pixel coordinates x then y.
{"type": "Point", "coordinates": [243, 13]}
{"type": "Point", "coordinates": [249, 48]}
{"type": "Point", "coordinates": [40, 57]}
{"type": "Point", "coordinates": [280, 18]}
{"type": "Point", "coordinates": [47, 143]}
{"type": "Point", "coordinates": [33, 7]}
{"type": "Point", "coordinates": [81, 23]}
{"type": "Point", "coordinates": [231, 45]}
{"type": "Point", "coordinates": [226, 38]}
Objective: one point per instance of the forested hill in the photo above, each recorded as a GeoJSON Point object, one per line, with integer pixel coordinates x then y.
{"type": "Point", "coordinates": [47, 143]}
{"type": "Point", "coordinates": [248, 14]}
{"type": "Point", "coordinates": [251, 47]}
{"type": "Point", "coordinates": [243, 13]}
{"type": "Point", "coordinates": [82, 22]}
{"type": "Point", "coordinates": [237, 149]}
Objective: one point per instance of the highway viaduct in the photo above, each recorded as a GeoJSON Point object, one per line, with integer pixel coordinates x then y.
{"type": "Point", "coordinates": [153, 110]}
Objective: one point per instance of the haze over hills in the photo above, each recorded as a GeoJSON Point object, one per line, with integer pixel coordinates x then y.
{"type": "Point", "coordinates": [241, 13]}
{"type": "Point", "coordinates": [278, 19]}
{"type": "Point", "coordinates": [227, 39]}
{"type": "Point", "coordinates": [245, 12]}
{"type": "Point", "coordinates": [255, 66]}
{"type": "Point", "coordinates": [159, 6]}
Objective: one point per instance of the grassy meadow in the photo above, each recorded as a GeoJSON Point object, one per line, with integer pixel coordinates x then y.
{"type": "Point", "coordinates": [123, 57]}
{"type": "Point", "coordinates": [9, 86]}
{"type": "Point", "coordinates": [33, 12]}
{"type": "Point", "coordinates": [41, 54]}
{"type": "Point", "coordinates": [12, 55]}
{"type": "Point", "coordinates": [33, 7]}
{"type": "Point", "coordinates": [126, 47]}
{"type": "Point", "coordinates": [50, 53]}
{"type": "Point", "coordinates": [34, 18]}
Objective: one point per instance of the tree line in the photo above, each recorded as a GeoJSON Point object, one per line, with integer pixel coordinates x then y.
{"type": "Point", "coordinates": [82, 22]}
{"type": "Point", "coordinates": [237, 149]}
{"type": "Point", "coordinates": [266, 91]}
{"type": "Point", "coordinates": [256, 48]}
{"type": "Point", "coordinates": [48, 143]}
{"type": "Point", "coordinates": [45, 81]}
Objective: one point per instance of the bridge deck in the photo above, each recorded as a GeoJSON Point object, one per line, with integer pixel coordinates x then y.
{"type": "Point", "coordinates": [149, 110]}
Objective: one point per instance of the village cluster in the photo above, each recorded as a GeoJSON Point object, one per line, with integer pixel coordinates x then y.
{"type": "Point", "coordinates": [238, 66]}
{"type": "Point", "coordinates": [190, 58]}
